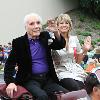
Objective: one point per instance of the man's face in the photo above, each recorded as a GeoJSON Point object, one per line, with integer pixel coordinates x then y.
{"type": "Point", "coordinates": [33, 26]}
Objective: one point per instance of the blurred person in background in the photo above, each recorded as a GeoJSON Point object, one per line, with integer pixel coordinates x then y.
{"type": "Point", "coordinates": [92, 85]}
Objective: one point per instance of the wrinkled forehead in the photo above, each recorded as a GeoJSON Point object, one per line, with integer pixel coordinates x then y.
{"type": "Point", "coordinates": [33, 19]}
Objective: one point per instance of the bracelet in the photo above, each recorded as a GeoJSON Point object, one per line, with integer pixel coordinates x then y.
{"type": "Point", "coordinates": [84, 54]}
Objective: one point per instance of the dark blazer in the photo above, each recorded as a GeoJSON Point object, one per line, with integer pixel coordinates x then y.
{"type": "Point", "coordinates": [21, 55]}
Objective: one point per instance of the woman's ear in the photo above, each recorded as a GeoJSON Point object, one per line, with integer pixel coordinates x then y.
{"type": "Point", "coordinates": [95, 89]}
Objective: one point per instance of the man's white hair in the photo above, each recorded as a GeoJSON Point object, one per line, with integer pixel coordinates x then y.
{"type": "Point", "coordinates": [26, 18]}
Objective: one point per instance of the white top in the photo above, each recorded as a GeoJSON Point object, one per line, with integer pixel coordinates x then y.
{"type": "Point", "coordinates": [85, 98]}
{"type": "Point", "coordinates": [64, 61]}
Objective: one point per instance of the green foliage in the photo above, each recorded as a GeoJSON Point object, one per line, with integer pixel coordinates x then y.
{"type": "Point", "coordinates": [89, 26]}
{"type": "Point", "coordinates": [81, 41]}
{"type": "Point", "coordinates": [93, 6]}
{"type": "Point", "coordinates": [85, 33]}
{"type": "Point", "coordinates": [78, 32]}
{"type": "Point", "coordinates": [82, 18]}
{"type": "Point", "coordinates": [98, 33]}
{"type": "Point", "coordinates": [96, 25]}
{"type": "Point", "coordinates": [95, 41]}
{"type": "Point", "coordinates": [97, 8]}
{"type": "Point", "coordinates": [88, 29]}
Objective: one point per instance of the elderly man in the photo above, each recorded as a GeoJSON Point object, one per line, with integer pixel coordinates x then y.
{"type": "Point", "coordinates": [32, 54]}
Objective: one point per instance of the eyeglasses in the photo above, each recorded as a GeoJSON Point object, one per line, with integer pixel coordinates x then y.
{"type": "Point", "coordinates": [94, 76]}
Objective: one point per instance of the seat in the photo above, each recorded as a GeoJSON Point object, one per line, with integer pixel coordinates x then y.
{"type": "Point", "coordinates": [21, 94]}
{"type": "Point", "coordinates": [74, 95]}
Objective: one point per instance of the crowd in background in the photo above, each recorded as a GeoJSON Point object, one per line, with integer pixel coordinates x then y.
{"type": "Point", "coordinates": [92, 59]}
{"type": "Point", "coordinates": [4, 52]}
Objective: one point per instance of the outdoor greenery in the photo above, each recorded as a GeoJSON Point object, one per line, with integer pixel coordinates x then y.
{"type": "Point", "coordinates": [85, 33]}
{"type": "Point", "coordinates": [85, 25]}
{"type": "Point", "coordinates": [91, 6]}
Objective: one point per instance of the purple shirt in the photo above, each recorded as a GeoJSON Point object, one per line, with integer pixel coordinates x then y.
{"type": "Point", "coordinates": [39, 63]}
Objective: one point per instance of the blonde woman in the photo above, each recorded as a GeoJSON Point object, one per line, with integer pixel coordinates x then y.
{"type": "Point", "coordinates": [66, 60]}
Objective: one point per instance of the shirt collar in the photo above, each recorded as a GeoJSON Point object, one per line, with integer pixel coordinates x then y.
{"type": "Point", "coordinates": [30, 37]}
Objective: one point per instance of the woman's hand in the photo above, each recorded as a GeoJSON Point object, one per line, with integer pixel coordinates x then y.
{"type": "Point", "coordinates": [87, 43]}
{"type": "Point", "coordinates": [86, 47]}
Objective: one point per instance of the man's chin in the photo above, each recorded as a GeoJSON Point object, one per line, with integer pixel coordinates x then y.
{"type": "Point", "coordinates": [37, 34]}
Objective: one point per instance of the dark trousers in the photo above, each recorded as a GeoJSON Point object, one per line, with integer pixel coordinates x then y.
{"type": "Point", "coordinates": [71, 84]}
{"type": "Point", "coordinates": [40, 86]}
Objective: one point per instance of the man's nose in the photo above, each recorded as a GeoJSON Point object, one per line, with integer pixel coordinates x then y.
{"type": "Point", "coordinates": [36, 25]}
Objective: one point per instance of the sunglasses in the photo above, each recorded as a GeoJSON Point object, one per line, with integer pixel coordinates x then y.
{"type": "Point", "coordinates": [95, 73]}
{"type": "Point", "coordinates": [95, 76]}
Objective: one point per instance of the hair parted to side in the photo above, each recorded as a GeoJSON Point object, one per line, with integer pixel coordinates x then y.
{"type": "Point", "coordinates": [26, 18]}
{"type": "Point", "coordinates": [66, 18]}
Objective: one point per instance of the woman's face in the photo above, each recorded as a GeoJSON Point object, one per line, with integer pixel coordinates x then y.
{"type": "Point", "coordinates": [96, 92]}
{"type": "Point", "coordinates": [63, 27]}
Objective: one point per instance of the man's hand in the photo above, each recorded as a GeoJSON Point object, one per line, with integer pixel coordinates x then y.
{"type": "Point", "coordinates": [52, 27]}
{"type": "Point", "coordinates": [11, 88]}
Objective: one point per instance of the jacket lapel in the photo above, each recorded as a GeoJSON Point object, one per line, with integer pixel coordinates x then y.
{"type": "Point", "coordinates": [27, 48]}
{"type": "Point", "coordinates": [44, 39]}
